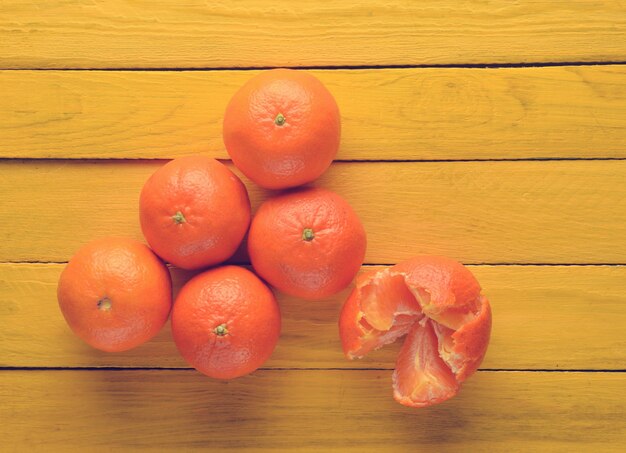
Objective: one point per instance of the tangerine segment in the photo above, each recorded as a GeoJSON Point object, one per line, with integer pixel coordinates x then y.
{"type": "Point", "coordinates": [448, 292]}
{"type": "Point", "coordinates": [385, 297]}
{"type": "Point", "coordinates": [379, 310]}
{"type": "Point", "coordinates": [421, 377]}
{"type": "Point", "coordinates": [464, 349]}
{"type": "Point", "coordinates": [438, 303]}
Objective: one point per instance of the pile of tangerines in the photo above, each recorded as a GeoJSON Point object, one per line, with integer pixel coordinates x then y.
{"type": "Point", "coordinates": [282, 130]}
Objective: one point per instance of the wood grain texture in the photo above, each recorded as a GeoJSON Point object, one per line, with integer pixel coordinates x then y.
{"type": "Point", "coordinates": [196, 33]}
{"type": "Point", "coordinates": [477, 212]}
{"type": "Point", "coordinates": [558, 318]}
{"type": "Point", "coordinates": [402, 114]}
{"type": "Point", "coordinates": [308, 410]}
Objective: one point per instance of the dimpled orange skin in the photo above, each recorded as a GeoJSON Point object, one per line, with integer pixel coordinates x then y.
{"type": "Point", "coordinates": [307, 243]}
{"type": "Point", "coordinates": [282, 128]}
{"type": "Point", "coordinates": [115, 294]}
{"type": "Point", "coordinates": [226, 322]}
{"type": "Point", "coordinates": [194, 212]}
{"type": "Point", "coordinates": [437, 303]}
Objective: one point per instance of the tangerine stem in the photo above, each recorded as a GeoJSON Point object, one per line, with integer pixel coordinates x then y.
{"type": "Point", "coordinates": [178, 218]}
{"type": "Point", "coordinates": [105, 304]}
{"type": "Point", "coordinates": [280, 119]}
{"type": "Point", "coordinates": [307, 234]}
{"type": "Point", "coordinates": [221, 330]}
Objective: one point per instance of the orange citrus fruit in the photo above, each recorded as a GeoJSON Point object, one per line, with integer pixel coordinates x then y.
{"type": "Point", "coordinates": [437, 303]}
{"type": "Point", "coordinates": [115, 294]}
{"type": "Point", "coordinates": [308, 243]}
{"type": "Point", "coordinates": [282, 128]}
{"type": "Point", "coordinates": [194, 212]}
{"type": "Point", "coordinates": [226, 322]}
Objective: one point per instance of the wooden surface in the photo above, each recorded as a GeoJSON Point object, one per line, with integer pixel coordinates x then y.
{"type": "Point", "coordinates": [200, 34]}
{"type": "Point", "coordinates": [457, 113]}
{"type": "Point", "coordinates": [568, 211]}
{"type": "Point", "coordinates": [516, 166]}
{"type": "Point", "coordinates": [540, 312]}
{"type": "Point", "coordinates": [314, 410]}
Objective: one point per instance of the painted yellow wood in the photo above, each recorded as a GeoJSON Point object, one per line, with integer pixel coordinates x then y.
{"type": "Point", "coordinates": [477, 212]}
{"type": "Point", "coordinates": [196, 33]}
{"type": "Point", "coordinates": [307, 410]}
{"type": "Point", "coordinates": [556, 317]}
{"type": "Point", "coordinates": [386, 114]}
{"type": "Point", "coordinates": [309, 397]}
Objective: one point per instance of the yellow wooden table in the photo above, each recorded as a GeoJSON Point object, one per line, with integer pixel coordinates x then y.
{"type": "Point", "coordinates": [490, 131]}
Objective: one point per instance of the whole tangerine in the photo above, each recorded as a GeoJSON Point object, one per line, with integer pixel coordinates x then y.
{"type": "Point", "coordinates": [194, 212]}
{"type": "Point", "coordinates": [282, 128]}
{"type": "Point", "coordinates": [115, 294]}
{"type": "Point", "coordinates": [307, 243]}
{"type": "Point", "coordinates": [226, 322]}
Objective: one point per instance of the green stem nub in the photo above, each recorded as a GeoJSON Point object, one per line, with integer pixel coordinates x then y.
{"type": "Point", "coordinates": [178, 218]}
{"type": "Point", "coordinates": [104, 304]}
{"type": "Point", "coordinates": [221, 330]}
{"type": "Point", "coordinates": [280, 119]}
{"type": "Point", "coordinates": [307, 234]}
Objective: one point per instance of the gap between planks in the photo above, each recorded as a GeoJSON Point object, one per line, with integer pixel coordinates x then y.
{"type": "Point", "coordinates": [355, 161]}
{"type": "Point", "coordinates": [342, 67]}
{"type": "Point", "coordinates": [480, 370]}
{"type": "Point", "coordinates": [30, 262]}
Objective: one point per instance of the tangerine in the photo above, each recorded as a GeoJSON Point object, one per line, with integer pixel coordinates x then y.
{"type": "Point", "coordinates": [282, 128]}
{"type": "Point", "coordinates": [194, 212]}
{"type": "Point", "coordinates": [307, 243]}
{"type": "Point", "coordinates": [115, 294]}
{"type": "Point", "coordinates": [226, 322]}
{"type": "Point", "coordinates": [437, 303]}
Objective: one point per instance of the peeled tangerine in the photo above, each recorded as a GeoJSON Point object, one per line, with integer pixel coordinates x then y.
{"type": "Point", "coordinates": [437, 303]}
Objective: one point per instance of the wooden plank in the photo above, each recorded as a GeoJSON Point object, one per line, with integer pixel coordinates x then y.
{"type": "Point", "coordinates": [148, 34]}
{"type": "Point", "coordinates": [308, 410]}
{"type": "Point", "coordinates": [403, 114]}
{"type": "Point", "coordinates": [563, 317]}
{"type": "Point", "coordinates": [478, 212]}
